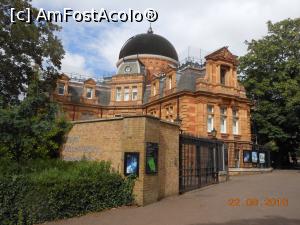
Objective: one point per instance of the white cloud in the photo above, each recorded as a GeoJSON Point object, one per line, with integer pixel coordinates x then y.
{"type": "Point", "coordinates": [205, 24]}
{"type": "Point", "coordinates": [74, 63]}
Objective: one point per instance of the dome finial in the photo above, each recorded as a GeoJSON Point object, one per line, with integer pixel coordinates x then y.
{"type": "Point", "coordinates": [150, 31]}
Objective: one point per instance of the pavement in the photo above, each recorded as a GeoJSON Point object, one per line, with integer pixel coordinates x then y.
{"type": "Point", "coordinates": [268, 199]}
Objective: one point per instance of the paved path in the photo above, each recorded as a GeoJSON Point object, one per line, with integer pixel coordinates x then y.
{"type": "Point", "coordinates": [209, 206]}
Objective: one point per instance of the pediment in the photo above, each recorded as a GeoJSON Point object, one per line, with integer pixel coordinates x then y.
{"type": "Point", "coordinates": [64, 76]}
{"type": "Point", "coordinates": [90, 81]}
{"type": "Point", "coordinates": [223, 54]}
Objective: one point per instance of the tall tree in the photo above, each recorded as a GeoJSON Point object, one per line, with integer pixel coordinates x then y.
{"type": "Point", "coordinates": [30, 57]}
{"type": "Point", "coordinates": [23, 47]}
{"type": "Point", "coordinates": [271, 75]}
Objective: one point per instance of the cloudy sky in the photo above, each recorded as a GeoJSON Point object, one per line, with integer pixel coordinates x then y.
{"type": "Point", "coordinates": [93, 48]}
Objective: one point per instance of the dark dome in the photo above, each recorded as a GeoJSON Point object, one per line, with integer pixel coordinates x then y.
{"type": "Point", "coordinates": [148, 43]}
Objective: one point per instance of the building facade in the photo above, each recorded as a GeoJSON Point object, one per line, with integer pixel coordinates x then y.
{"type": "Point", "coordinates": [151, 81]}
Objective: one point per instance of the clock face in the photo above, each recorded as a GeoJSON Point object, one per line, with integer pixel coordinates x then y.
{"type": "Point", "coordinates": [127, 69]}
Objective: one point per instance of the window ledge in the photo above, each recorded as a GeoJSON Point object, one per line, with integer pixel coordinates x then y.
{"type": "Point", "coordinates": [224, 135]}
{"type": "Point", "coordinates": [237, 136]}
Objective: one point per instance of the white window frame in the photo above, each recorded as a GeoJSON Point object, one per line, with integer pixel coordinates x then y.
{"type": "Point", "coordinates": [126, 94]}
{"type": "Point", "coordinates": [235, 122]}
{"type": "Point", "coordinates": [90, 91]}
{"type": "Point", "coordinates": [61, 86]}
{"type": "Point", "coordinates": [223, 120]}
{"type": "Point", "coordinates": [210, 118]}
{"type": "Point", "coordinates": [170, 82]}
{"type": "Point", "coordinates": [154, 89]}
{"type": "Point", "coordinates": [118, 94]}
{"type": "Point", "coordinates": [134, 93]}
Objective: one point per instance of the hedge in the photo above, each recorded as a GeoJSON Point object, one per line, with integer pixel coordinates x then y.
{"type": "Point", "coordinates": [46, 190]}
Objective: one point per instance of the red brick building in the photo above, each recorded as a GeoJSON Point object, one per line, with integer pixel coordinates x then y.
{"type": "Point", "coordinates": [150, 80]}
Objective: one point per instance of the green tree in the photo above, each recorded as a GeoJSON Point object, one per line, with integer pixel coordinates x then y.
{"type": "Point", "coordinates": [23, 46]}
{"type": "Point", "coordinates": [271, 75]}
{"type": "Point", "coordinates": [31, 126]}
{"type": "Point", "coordinates": [33, 129]}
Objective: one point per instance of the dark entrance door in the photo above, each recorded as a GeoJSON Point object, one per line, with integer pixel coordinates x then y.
{"type": "Point", "coordinates": [198, 162]}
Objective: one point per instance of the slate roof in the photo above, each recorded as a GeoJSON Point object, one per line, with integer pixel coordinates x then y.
{"type": "Point", "coordinates": [185, 79]}
{"type": "Point", "coordinates": [147, 93]}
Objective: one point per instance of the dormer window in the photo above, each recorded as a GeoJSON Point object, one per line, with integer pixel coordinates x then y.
{"type": "Point", "coordinates": [223, 73]}
{"type": "Point", "coordinates": [89, 93]}
{"type": "Point", "coordinates": [61, 88]}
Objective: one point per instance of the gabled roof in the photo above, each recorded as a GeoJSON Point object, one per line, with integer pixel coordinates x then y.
{"type": "Point", "coordinates": [90, 81]}
{"type": "Point", "coordinates": [223, 54]}
{"type": "Point", "coordinates": [63, 76]}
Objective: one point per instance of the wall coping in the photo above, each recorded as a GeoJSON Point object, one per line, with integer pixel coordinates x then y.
{"type": "Point", "coordinates": [122, 118]}
{"type": "Point", "coordinates": [250, 169]}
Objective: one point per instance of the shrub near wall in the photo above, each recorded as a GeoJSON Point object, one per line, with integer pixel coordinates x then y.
{"type": "Point", "coordinates": [51, 190]}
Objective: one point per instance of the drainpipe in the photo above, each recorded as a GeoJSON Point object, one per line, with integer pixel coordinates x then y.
{"type": "Point", "coordinates": [159, 110]}
{"type": "Point", "coordinates": [178, 107]}
{"type": "Point", "coordinates": [73, 113]}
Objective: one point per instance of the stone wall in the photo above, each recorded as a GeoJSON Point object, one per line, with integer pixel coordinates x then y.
{"type": "Point", "coordinates": [109, 139]}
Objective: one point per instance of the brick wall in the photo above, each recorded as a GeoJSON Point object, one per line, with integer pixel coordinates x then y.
{"type": "Point", "coordinates": [108, 140]}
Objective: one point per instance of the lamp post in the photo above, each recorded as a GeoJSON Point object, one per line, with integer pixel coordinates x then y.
{"type": "Point", "coordinates": [216, 155]}
{"type": "Point", "coordinates": [214, 133]}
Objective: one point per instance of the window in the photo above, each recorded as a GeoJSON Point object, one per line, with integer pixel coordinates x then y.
{"type": "Point", "coordinates": [89, 93]}
{"type": "Point", "coordinates": [134, 93]}
{"type": "Point", "coordinates": [61, 88]}
{"type": "Point", "coordinates": [126, 94]}
{"type": "Point", "coordinates": [154, 89]}
{"type": "Point", "coordinates": [223, 117]}
{"type": "Point", "coordinates": [235, 122]}
{"type": "Point", "coordinates": [118, 94]}
{"type": "Point", "coordinates": [223, 75]}
{"type": "Point", "coordinates": [170, 82]}
{"type": "Point", "coordinates": [169, 113]}
{"type": "Point", "coordinates": [210, 118]}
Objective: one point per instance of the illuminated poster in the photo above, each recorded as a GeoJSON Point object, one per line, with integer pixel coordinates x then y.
{"type": "Point", "coordinates": [151, 158]}
{"type": "Point", "coordinates": [262, 157]}
{"type": "Point", "coordinates": [247, 156]}
{"type": "Point", "coordinates": [254, 157]}
{"type": "Point", "coordinates": [131, 163]}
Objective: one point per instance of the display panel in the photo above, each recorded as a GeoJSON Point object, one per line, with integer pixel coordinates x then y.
{"type": "Point", "coordinates": [262, 157]}
{"type": "Point", "coordinates": [247, 156]}
{"type": "Point", "coordinates": [151, 158]}
{"type": "Point", "coordinates": [131, 163]}
{"type": "Point", "coordinates": [254, 157]}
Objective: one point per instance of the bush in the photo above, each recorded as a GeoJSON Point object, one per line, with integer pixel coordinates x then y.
{"type": "Point", "coordinates": [46, 190]}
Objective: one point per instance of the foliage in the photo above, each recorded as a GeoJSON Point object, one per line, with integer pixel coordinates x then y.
{"type": "Point", "coordinates": [24, 46]}
{"type": "Point", "coordinates": [271, 75]}
{"type": "Point", "coordinates": [32, 129]}
{"type": "Point", "coordinates": [46, 190]}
